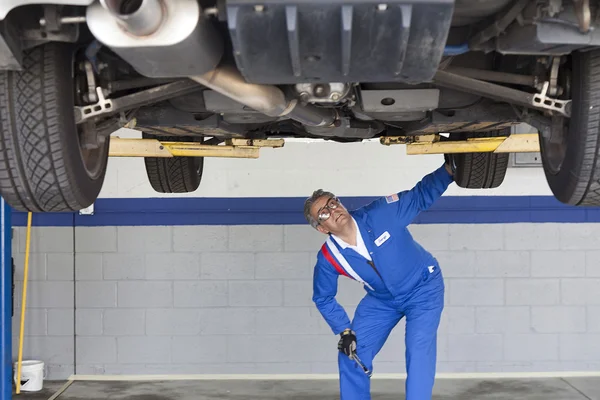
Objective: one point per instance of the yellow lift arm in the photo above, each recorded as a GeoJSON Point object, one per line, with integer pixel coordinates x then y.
{"type": "Point", "coordinates": [250, 148]}
{"type": "Point", "coordinates": [233, 148]}
{"type": "Point", "coordinates": [432, 144]}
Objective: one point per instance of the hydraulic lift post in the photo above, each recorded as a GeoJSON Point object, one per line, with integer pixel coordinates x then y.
{"type": "Point", "coordinates": [6, 305]}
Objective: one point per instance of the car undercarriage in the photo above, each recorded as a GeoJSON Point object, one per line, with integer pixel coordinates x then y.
{"type": "Point", "coordinates": [73, 72]}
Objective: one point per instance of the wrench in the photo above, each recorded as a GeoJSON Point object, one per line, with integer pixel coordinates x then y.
{"type": "Point", "coordinates": [354, 356]}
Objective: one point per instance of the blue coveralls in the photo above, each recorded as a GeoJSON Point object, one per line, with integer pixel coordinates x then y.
{"type": "Point", "coordinates": [406, 281]}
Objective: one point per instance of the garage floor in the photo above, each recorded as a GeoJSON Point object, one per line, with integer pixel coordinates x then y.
{"type": "Point", "coordinates": [446, 389]}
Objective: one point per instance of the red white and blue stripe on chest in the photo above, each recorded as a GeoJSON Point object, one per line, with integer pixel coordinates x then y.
{"type": "Point", "coordinates": [339, 262]}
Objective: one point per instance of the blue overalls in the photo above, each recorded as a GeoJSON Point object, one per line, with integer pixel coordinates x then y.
{"type": "Point", "coordinates": [402, 280]}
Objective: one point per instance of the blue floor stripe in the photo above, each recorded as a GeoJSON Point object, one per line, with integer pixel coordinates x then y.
{"type": "Point", "coordinates": [288, 211]}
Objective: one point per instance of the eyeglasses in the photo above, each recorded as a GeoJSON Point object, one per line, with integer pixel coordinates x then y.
{"type": "Point", "coordinates": [325, 211]}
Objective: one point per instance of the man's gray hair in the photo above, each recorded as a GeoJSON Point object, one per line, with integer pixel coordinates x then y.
{"type": "Point", "coordinates": [309, 203]}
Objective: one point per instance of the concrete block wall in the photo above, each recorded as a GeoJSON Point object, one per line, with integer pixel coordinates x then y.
{"type": "Point", "coordinates": [237, 299]}
{"type": "Point", "coordinates": [49, 318]}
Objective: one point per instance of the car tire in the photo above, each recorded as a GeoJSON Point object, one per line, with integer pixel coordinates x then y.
{"type": "Point", "coordinates": [43, 166]}
{"type": "Point", "coordinates": [480, 170]}
{"type": "Point", "coordinates": [570, 156]}
{"type": "Point", "coordinates": [174, 175]}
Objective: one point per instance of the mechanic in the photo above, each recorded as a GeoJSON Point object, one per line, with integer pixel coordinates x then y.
{"type": "Point", "coordinates": [373, 246]}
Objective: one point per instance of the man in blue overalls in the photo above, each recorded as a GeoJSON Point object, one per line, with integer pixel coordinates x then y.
{"type": "Point", "coordinates": [373, 246]}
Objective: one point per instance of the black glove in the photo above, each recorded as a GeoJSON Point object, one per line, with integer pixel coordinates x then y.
{"type": "Point", "coordinates": [451, 162]}
{"type": "Point", "coordinates": [347, 343]}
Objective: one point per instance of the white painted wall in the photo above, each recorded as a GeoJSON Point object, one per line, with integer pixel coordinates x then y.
{"type": "Point", "coordinates": [348, 169]}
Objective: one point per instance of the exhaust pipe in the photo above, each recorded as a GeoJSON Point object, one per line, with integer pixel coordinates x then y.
{"type": "Point", "coordinates": [139, 17]}
{"type": "Point", "coordinates": [267, 99]}
{"type": "Point", "coordinates": [172, 39]}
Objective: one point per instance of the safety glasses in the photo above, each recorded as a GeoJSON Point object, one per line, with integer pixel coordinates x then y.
{"type": "Point", "coordinates": [326, 210]}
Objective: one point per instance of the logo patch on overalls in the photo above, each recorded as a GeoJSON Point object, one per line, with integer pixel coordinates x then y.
{"type": "Point", "coordinates": [381, 239]}
{"type": "Point", "coordinates": [392, 198]}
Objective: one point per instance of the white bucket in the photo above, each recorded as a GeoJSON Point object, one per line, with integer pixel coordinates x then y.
{"type": "Point", "coordinates": [32, 375]}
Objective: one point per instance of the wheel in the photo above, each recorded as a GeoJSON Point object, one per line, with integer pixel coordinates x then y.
{"type": "Point", "coordinates": [43, 164]}
{"type": "Point", "coordinates": [174, 175]}
{"type": "Point", "coordinates": [480, 170]}
{"type": "Point", "coordinates": [570, 153]}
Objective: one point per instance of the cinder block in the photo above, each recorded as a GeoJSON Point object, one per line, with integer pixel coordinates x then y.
{"type": "Point", "coordinates": [143, 239]}
{"type": "Point", "coordinates": [532, 291]}
{"type": "Point", "coordinates": [50, 294]}
{"type": "Point", "coordinates": [477, 237]}
{"type": "Point", "coordinates": [580, 291]}
{"type": "Point", "coordinates": [227, 321]}
{"type": "Point", "coordinates": [579, 346]}
{"type": "Point", "coordinates": [394, 348]}
{"type": "Point", "coordinates": [302, 238]}
{"type": "Point", "coordinates": [96, 294]}
{"type": "Point", "coordinates": [227, 265]}
{"type": "Point", "coordinates": [145, 294]}
{"type": "Point", "coordinates": [466, 347]}
{"type": "Point", "coordinates": [592, 264]}
{"type": "Point", "coordinates": [502, 264]}
{"type": "Point", "coordinates": [531, 236]}
{"type": "Point", "coordinates": [123, 266]}
{"type": "Point", "coordinates": [287, 368]}
{"type": "Point", "coordinates": [59, 372]}
{"type": "Point", "coordinates": [255, 293]}
{"type": "Point", "coordinates": [457, 320]}
{"type": "Point", "coordinates": [593, 319]}
{"type": "Point", "coordinates": [88, 267]}
{"type": "Point", "coordinates": [96, 350]}
{"type": "Point", "coordinates": [52, 349]}
{"type": "Point", "coordinates": [284, 266]}
{"type": "Point", "coordinates": [276, 348]}
{"type": "Point", "coordinates": [59, 267]}
{"type": "Point", "coordinates": [509, 319]}
{"type": "Point", "coordinates": [172, 322]}
{"type": "Point", "coordinates": [456, 264]}
{"type": "Point", "coordinates": [472, 292]}
{"type": "Point", "coordinates": [144, 349]}
{"type": "Point", "coordinates": [37, 267]}
{"type": "Point", "coordinates": [101, 239]}
{"type": "Point", "coordinates": [124, 322]}
{"type": "Point", "coordinates": [288, 321]}
{"type": "Point", "coordinates": [47, 240]}
{"type": "Point", "coordinates": [456, 367]}
{"type": "Point", "coordinates": [173, 266]}
{"type": "Point", "coordinates": [298, 293]}
{"type": "Point", "coordinates": [201, 294]}
{"type": "Point", "coordinates": [558, 319]}
{"type": "Point", "coordinates": [557, 264]}
{"type": "Point", "coordinates": [530, 347]}
{"type": "Point", "coordinates": [256, 238]}
{"type": "Point", "coordinates": [433, 237]}
{"type": "Point", "coordinates": [88, 322]}
{"type": "Point", "coordinates": [36, 323]}
{"type": "Point", "coordinates": [203, 349]}
{"type": "Point", "coordinates": [350, 292]}
{"type": "Point", "coordinates": [200, 238]}
{"type": "Point", "coordinates": [61, 322]}
{"type": "Point", "coordinates": [578, 236]}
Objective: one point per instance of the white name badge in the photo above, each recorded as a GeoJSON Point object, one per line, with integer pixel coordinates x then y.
{"type": "Point", "coordinates": [381, 239]}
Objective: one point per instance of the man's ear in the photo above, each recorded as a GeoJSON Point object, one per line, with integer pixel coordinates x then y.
{"type": "Point", "coordinates": [322, 230]}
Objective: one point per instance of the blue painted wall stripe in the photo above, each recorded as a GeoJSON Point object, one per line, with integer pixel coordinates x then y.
{"type": "Point", "coordinates": [288, 211]}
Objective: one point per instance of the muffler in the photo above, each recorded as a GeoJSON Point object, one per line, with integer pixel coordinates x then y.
{"type": "Point", "coordinates": [167, 38]}
{"type": "Point", "coordinates": [159, 38]}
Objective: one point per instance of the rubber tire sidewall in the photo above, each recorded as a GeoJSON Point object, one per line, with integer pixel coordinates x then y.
{"type": "Point", "coordinates": [572, 181]}
{"type": "Point", "coordinates": [78, 190]}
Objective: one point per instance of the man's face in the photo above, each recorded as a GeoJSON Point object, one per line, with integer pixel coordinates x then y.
{"type": "Point", "coordinates": [331, 215]}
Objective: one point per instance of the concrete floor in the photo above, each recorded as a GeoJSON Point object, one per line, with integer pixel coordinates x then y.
{"type": "Point", "coordinates": [445, 389]}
